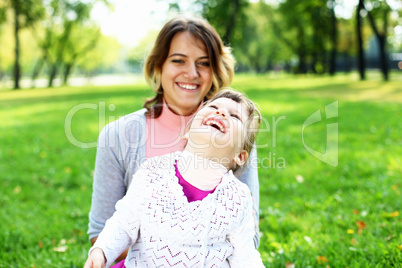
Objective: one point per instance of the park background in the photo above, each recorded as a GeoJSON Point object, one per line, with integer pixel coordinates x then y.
{"type": "Point", "coordinates": [68, 67]}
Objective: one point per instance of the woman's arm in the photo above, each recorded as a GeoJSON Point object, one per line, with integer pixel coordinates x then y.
{"type": "Point", "coordinates": [249, 176]}
{"type": "Point", "coordinates": [108, 185]}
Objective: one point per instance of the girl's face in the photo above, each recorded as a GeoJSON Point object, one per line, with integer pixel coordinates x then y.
{"type": "Point", "coordinates": [186, 75]}
{"type": "Point", "coordinates": [219, 126]}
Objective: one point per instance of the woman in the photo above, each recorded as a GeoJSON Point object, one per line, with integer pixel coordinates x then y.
{"type": "Point", "coordinates": [187, 66]}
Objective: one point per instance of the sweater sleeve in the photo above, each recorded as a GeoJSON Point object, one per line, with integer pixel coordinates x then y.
{"type": "Point", "coordinates": [244, 252]}
{"type": "Point", "coordinates": [120, 151]}
{"type": "Point", "coordinates": [108, 185]}
{"type": "Point", "coordinates": [121, 230]}
{"type": "Point", "coordinates": [249, 176]}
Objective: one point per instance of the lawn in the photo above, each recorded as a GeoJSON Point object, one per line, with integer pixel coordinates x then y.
{"type": "Point", "coordinates": [313, 214]}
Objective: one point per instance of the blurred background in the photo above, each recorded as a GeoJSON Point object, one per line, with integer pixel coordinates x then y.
{"type": "Point", "coordinates": [48, 43]}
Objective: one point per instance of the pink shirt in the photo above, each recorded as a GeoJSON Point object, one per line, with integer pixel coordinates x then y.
{"type": "Point", "coordinates": [167, 132]}
{"type": "Point", "coordinates": [191, 192]}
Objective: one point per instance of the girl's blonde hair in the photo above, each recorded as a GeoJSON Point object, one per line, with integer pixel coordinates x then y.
{"type": "Point", "coordinates": [220, 58]}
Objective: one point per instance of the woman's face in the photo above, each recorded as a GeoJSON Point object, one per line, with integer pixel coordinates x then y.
{"type": "Point", "coordinates": [186, 74]}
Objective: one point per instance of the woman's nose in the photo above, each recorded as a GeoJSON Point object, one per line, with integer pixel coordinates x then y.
{"type": "Point", "coordinates": [191, 71]}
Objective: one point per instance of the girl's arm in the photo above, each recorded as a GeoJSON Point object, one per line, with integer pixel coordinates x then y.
{"type": "Point", "coordinates": [249, 176]}
{"type": "Point", "coordinates": [121, 230]}
{"type": "Point", "coordinates": [244, 252]}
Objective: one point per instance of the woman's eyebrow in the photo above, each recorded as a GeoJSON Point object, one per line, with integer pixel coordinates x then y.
{"type": "Point", "coordinates": [177, 54]}
{"type": "Point", "coordinates": [183, 55]}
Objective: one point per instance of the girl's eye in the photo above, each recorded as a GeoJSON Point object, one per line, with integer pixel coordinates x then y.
{"type": "Point", "coordinates": [213, 107]}
{"type": "Point", "coordinates": [235, 116]}
{"type": "Point", "coordinates": [177, 61]}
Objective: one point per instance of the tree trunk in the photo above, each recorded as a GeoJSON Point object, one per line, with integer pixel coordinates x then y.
{"type": "Point", "coordinates": [383, 57]}
{"type": "Point", "coordinates": [229, 29]}
{"type": "Point", "coordinates": [361, 65]}
{"type": "Point", "coordinates": [302, 68]}
{"type": "Point", "coordinates": [66, 74]}
{"type": "Point", "coordinates": [382, 39]}
{"type": "Point", "coordinates": [52, 74]}
{"type": "Point", "coordinates": [38, 67]}
{"type": "Point", "coordinates": [17, 67]}
{"type": "Point", "coordinates": [334, 41]}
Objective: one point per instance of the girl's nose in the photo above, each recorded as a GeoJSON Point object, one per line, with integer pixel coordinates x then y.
{"type": "Point", "coordinates": [221, 112]}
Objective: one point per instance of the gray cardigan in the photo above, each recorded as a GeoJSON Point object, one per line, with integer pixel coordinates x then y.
{"type": "Point", "coordinates": [120, 152]}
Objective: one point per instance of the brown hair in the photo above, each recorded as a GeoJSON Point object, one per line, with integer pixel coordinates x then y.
{"type": "Point", "coordinates": [220, 58]}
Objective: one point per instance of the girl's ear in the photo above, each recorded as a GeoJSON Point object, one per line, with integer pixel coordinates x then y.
{"type": "Point", "coordinates": [241, 158]}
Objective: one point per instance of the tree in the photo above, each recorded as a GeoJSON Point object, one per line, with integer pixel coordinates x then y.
{"type": "Point", "coordinates": [257, 49]}
{"type": "Point", "coordinates": [71, 15]}
{"type": "Point", "coordinates": [25, 14]}
{"type": "Point", "coordinates": [361, 65]}
{"type": "Point", "coordinates": [334, 37]}
{"type": "Point", "coordinates": [227, 16]}
{"type": "Point", "coordinates": [381, 10]}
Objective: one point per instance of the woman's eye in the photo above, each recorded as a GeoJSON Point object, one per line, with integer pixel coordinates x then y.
{"type": "Point", "coordinates": [204, 63]}
{"type": "Point", "coordinates": [177, 61]}
{"type": "Point", "coordinates": [213, 107]}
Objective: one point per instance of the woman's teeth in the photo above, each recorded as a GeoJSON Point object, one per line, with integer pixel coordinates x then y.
{"type": "Point", "coordinates": [186, 86]}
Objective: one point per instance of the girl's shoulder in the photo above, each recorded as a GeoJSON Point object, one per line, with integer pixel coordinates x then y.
{"type": "Point", "coordinates": [232, 186]}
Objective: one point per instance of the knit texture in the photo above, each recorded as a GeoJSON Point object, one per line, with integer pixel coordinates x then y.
{"type": "Point", "coordinates": [163, 229]}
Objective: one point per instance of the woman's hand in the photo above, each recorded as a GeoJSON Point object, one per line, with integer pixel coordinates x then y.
{"type": "Point", "coordinates": [96, 259]}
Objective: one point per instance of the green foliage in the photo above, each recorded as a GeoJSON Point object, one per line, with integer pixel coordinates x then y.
{"type": "Point", "coordinates": [312, 214]}
{"type": "Point", "coordinates": [227, 17]}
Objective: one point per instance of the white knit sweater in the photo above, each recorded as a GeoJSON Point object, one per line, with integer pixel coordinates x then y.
{"type": "Point", "coordinates": [163, 229]}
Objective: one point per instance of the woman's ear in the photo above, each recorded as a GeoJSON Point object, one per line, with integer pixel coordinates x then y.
{"type": "Point", "coordinates": [241, 158]}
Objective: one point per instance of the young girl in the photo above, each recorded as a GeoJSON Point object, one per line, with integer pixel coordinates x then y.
{"type": "Point", "coordinates": [188, 209]}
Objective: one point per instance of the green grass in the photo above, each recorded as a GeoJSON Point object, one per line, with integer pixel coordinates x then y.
{"type": "Point", "coordinates": [310, 211]}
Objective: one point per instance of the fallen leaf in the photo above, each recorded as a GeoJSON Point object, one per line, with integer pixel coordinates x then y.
{"type": "Point", "coordinates": [289, 265]}
{"type": "Point", "coordinates": [67, 170]}
{"type": "Point", "coordinates": [60, 249]}
{"type": "Point", "coordinates": [354, 242]}
{"type": "Point", "coordinates": [322, 259]}
{"type": "Point", "coordinates": [390, 237]}
{"type": "Point", "coordinates": [400, 247]}
{"type": "Point", "coordinates": [361, 225]}
{"type": "Point", "coordinates": [17, 189]}
{"type": "Point", "coordinates": [308, 239]}
{"type": "Point", "coordinates": [394, 214]}
{"type": "Point", "coordinates": [356, 212]}
{"type": "Point", "coordinates": [350, 231]}
{"type": "Point", "coordinates": [299, 178]}
{"type": "Point", "coordinates": [40, 244]}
